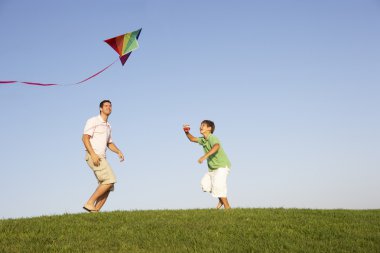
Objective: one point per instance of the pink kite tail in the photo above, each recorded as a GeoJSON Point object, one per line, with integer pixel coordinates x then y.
{"type": "Point", "coordinates": [8, 81]}
{"type": "Point", "coordinates": [40, 84]}
{"type": "Point", "coordinates": [54, 84]}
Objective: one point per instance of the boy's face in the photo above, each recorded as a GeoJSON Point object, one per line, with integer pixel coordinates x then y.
{"type": "Point", "coordinates": [204, 128]}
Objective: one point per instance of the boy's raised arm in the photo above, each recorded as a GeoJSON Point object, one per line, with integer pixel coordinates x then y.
{"type": "Point", "coordinates": [191, 138]}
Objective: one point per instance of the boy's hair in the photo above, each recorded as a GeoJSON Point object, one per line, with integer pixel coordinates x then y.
{"type": "Point", "coordinates": [102, 103]}
{"type": "Point", "coordinates": [209, 123]}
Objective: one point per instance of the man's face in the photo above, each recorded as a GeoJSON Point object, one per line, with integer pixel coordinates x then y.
{"type": "Point", "coordinates": [204, 128]}
{"type": "Point", "coordinates": [107, 108]}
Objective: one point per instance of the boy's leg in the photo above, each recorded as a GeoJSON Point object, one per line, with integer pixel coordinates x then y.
{"type": "Point", "coordinates": [206, 182]}
{"type": "Point", "coordinates": [220, 204]}
{"type": "Point", "coordinates": [219, 187]}
{"type": "Point", "coordinates": [225, 203]}
{"type": "Point", "coordinates": [100, 190]}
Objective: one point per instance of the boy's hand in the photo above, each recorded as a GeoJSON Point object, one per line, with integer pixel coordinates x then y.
{"type": "Point", "coordinates": [186, 128]}
{"type": "Point", "coordinates": [200, 160]}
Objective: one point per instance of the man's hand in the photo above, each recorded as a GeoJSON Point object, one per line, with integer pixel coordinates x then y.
{"type": "Point", "coordinates": [200, 160]}
{"type": "Point", "coordinates": [96, 159]}
{"type": "Point", "coordinates": [121, 156]}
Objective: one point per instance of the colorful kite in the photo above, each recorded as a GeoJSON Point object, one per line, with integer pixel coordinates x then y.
{"type": "Point", "coordinates": [124, 45]}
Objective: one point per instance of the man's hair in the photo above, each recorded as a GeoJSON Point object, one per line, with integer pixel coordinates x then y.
{"type": "Point", "coordinates": [209, 123]}
{"type": "Point", "coordinates": [104, 101]}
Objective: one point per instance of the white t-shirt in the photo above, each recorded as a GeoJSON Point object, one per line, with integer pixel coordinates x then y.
{"type": "Point", "coordinates": [100, 132]}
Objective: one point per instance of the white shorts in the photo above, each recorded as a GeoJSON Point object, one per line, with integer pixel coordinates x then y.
{"type": "Point", "coordinates": [215, 182]}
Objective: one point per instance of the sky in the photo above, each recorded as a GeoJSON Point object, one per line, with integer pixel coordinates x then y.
{"type": "Point", "coordinates": [292, 86]}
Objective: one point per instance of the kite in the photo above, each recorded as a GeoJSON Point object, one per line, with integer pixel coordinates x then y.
{"type": "Point", "coordinates": [123, 44]}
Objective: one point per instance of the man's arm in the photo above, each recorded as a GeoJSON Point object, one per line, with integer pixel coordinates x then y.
{"type": "Point", "coordinates": [114, 149]}
{"type": "Point", "coordinates": [86, 141]}
{"type": "Point", "coordinates": [212, 151]}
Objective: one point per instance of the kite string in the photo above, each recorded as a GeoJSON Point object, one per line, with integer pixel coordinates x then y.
{"type": "Point", "coordinates": [88, 78]}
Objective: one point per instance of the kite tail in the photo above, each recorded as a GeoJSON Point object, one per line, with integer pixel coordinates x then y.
{"type": "Point", "coordinates": [40, 84]}
{"type": "Point", "coordinates": [6, 82]}
{"type": "Point", "coordinates": [55, 84]}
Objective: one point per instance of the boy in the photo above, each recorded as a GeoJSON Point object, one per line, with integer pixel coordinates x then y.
{"type": "Point", "coordinates": [215, 180]}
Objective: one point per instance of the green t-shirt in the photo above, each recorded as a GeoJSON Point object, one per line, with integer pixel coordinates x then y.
{"type": "Point", "coordinates": [218, 159]}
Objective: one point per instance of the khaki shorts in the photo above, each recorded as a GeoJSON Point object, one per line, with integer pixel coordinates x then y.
{"type": "Point", "coordinates": [103, 172]}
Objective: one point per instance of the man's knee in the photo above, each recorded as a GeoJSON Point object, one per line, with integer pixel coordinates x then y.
{"type": "Point", "coordinates": [111, 188]}
{"type": "Point", "coordinates": [108, 187]}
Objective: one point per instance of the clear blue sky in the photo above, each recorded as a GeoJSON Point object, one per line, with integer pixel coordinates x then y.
{"type": "Point", "coordinates": [292, 86]}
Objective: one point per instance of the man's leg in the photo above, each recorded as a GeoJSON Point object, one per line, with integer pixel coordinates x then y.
{"type": "Point", "coordinates": [101, 200]}
{"type": "Point", "coordinates": [100, 190]}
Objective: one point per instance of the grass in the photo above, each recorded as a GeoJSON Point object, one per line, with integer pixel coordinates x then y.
{"type": "Point", "coordinates": [203, 230]}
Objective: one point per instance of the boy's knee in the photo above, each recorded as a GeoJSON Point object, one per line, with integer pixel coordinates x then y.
{"type": "Point", "coordinates": [206, 189]}
{"type": "Point", "coordinates": [206, 186]}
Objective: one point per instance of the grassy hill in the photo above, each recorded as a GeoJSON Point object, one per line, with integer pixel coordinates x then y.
{"type": "Point", "coordinates": [204, 230]}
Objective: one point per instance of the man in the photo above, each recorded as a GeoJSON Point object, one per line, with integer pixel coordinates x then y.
{"type": "Point", "coordinates": [96, 139]}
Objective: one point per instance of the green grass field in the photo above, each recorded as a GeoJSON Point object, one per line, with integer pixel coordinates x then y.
{"type": "Point", "coordinates": [203, 230]}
